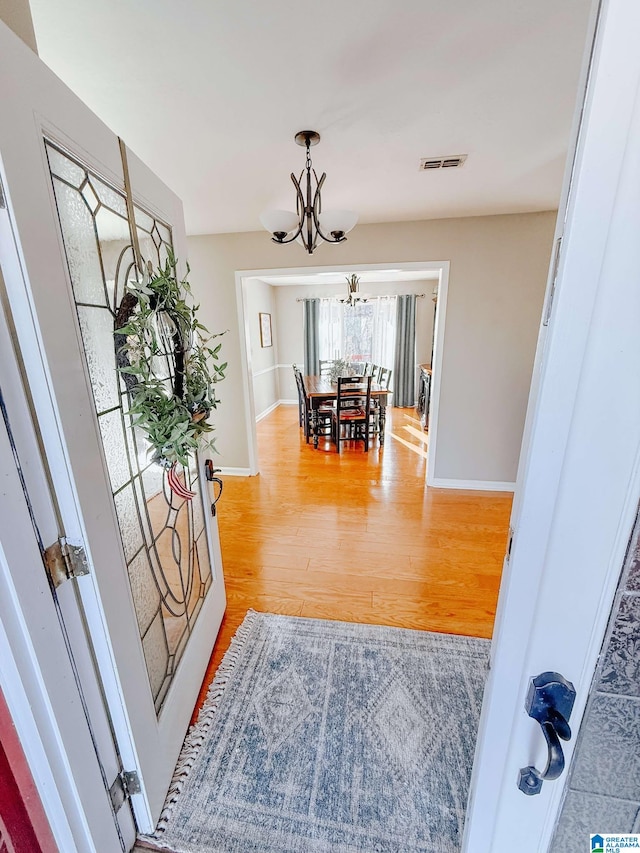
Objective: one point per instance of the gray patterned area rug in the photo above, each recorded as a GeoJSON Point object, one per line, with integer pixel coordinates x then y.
{"type": "Point", "coordinates": [330, 736]}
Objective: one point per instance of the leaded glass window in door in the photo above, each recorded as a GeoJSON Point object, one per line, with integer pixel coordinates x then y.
{"type": "Point", "coordinates": [163, 536]}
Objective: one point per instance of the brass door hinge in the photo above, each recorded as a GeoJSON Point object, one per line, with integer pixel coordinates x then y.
{"type": "Point", "coordinates": [64, 561]}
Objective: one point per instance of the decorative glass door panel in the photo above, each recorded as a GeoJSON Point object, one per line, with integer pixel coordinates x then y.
{"type": "Point", "coordinates": [163, 536]}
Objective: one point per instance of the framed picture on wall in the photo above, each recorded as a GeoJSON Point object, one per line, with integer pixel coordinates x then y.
{"type": "Point", "coordinates": [265, 330]}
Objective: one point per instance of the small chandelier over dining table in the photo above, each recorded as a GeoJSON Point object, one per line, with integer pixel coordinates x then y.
{"type": "Point", "coordinates": [309, 223]}
{"type": "Point", "coordinates": [353, 292]}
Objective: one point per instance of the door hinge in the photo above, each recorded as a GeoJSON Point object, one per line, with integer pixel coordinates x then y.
{"type": "Point", "coordinates": [554, 276]}
{"type": "Point", "coordinates": [64, 561]}
{"type": "Point", "coordinates": [126, 783]}
{"type": "Point", "coordinates": [509, 544]}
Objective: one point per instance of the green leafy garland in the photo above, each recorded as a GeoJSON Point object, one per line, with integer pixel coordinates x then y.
{"type": "Point", "coordinates": [173, 416]}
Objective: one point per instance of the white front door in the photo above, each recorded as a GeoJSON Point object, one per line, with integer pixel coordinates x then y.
{"type": "Point", "coordinates": [154, 597]}
{"type": "Point", "coordinates": [579, 480]}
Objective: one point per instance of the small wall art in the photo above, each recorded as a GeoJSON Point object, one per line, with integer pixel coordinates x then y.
{"type": "Point", "coordinates": [265, 330]}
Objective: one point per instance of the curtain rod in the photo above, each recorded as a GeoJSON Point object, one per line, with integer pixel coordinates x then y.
{"type": "Point", "coordinates": [361, 299]}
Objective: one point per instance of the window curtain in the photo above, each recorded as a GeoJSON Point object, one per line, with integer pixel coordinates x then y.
{"type": "Point", "coordinates": [404, 367]}
{"type": "Point", "coordinates": [311, 336]}
{"type": "Point", "coordinates": [384, 332]}
{"type": "Point", "coordinates": [330, 334]}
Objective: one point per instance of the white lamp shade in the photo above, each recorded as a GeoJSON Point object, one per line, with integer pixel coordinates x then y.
{"type": "Point", "coordinates": [283, 221]}
{"type": "Point", "coordinates": [337, 220]}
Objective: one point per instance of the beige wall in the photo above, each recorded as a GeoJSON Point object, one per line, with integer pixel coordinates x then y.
{"type": "Point", "coordinates": [290, 332]}
{"type": "Point", "coordinates": [17, 16]}
{"type": "Point", "coordinates": [264, 360]}
{"type": "Point", "coordinates": [497, 279]}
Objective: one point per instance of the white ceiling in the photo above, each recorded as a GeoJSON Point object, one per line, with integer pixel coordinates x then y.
{"type": "Point", "coordinates": [211, 92]}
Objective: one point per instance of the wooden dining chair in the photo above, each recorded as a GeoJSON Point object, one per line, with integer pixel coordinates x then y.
{"type": "Point", "coordinates": [384, 377]}
{"type": "Point", "coordinates": [301, 396]}
{"type": "Point", "coordinates": [351, 415]}
{"type": "Point", "coordinates": [375, 422]}
{"type": "Point", "coordinates": [325, 366]}
{"type": "Point", "coordinates": [304, 404]}
{"type": "Point", "coordinates": [321, 424]}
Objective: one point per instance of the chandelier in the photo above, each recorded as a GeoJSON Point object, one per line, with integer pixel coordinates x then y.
{"type": "Point", "coordinates": [309, 223]}
{"type": "Point", "coordinates": [353, 287]}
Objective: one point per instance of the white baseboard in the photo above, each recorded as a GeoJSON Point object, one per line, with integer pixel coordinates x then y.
{"type": "Point", "coordinates": [236, 472]}
{"type": "Point", "coordinates": [268, 411]}
{"type": "Point", "coordinates": [476, 485]}
{"type": "Point", "coordinates": [288, 402]}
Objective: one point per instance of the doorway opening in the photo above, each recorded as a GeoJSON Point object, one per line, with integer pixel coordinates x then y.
{"type": "Point", "coordinates": [268, 379]}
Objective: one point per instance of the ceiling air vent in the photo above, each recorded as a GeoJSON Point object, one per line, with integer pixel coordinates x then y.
{"type": "Point", "coordinates": [454, 161]}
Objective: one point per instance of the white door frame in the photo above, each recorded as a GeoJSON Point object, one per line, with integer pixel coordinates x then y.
{"type": "Point", "coordinates": [36, 676]}
{"type": "Point", "coordinates": [22, 700]}
{"type": "Point", "coordinates": [579, 479]}
{"type": "Point", "coordinates": [23, 684]}
{"type": "Point", "coordinates": [441, 267]}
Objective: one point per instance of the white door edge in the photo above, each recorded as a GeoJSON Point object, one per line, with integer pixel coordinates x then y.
{"type": "Point", "coordinates": [439, 332]}
{"type": "Point", "coordinates": [246, 367]}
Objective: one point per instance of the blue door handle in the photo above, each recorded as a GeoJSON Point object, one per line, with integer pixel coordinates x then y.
{"type": "Point", "coordinates": [549, 701]}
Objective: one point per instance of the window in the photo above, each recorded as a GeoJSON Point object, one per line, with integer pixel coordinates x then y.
{"type": "Point", "coordinates": [359, 333]}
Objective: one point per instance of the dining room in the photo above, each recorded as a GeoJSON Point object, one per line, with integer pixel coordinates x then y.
{"type": "Point", "coordinates": [334, 323]}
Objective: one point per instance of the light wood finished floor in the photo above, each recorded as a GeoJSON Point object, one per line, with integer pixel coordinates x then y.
{"type": "Point", "coordinates": [357, 536]}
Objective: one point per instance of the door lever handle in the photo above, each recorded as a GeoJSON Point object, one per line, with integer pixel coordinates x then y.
{"type": "Point", "coordinates": [549, 701]}
{"type": "Point", "coordinates": [210, 474]}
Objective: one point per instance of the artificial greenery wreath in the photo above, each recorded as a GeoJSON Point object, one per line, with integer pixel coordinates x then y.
{"type": "Point", "coordinates": [157, 319]}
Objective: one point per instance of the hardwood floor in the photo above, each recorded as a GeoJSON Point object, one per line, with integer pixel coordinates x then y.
{"type": "Point", "coordinates": [357, 536]}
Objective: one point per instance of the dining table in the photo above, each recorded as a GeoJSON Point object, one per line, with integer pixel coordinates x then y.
{"type": "Point", "coordinates": [321, 391]}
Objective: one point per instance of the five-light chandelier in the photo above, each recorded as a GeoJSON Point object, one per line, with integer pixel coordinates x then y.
{"type": "Point", "coordinates": [309, 224]}
{"type": "Point", "coordinates": [353, 292]}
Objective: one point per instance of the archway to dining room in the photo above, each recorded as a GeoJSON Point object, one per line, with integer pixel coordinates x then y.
{"type": "Point", "coordinates": [271, 322]}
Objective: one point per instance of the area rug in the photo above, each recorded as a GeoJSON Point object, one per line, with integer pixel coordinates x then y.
{"type": "Point", "coordinates": [330, 736]}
